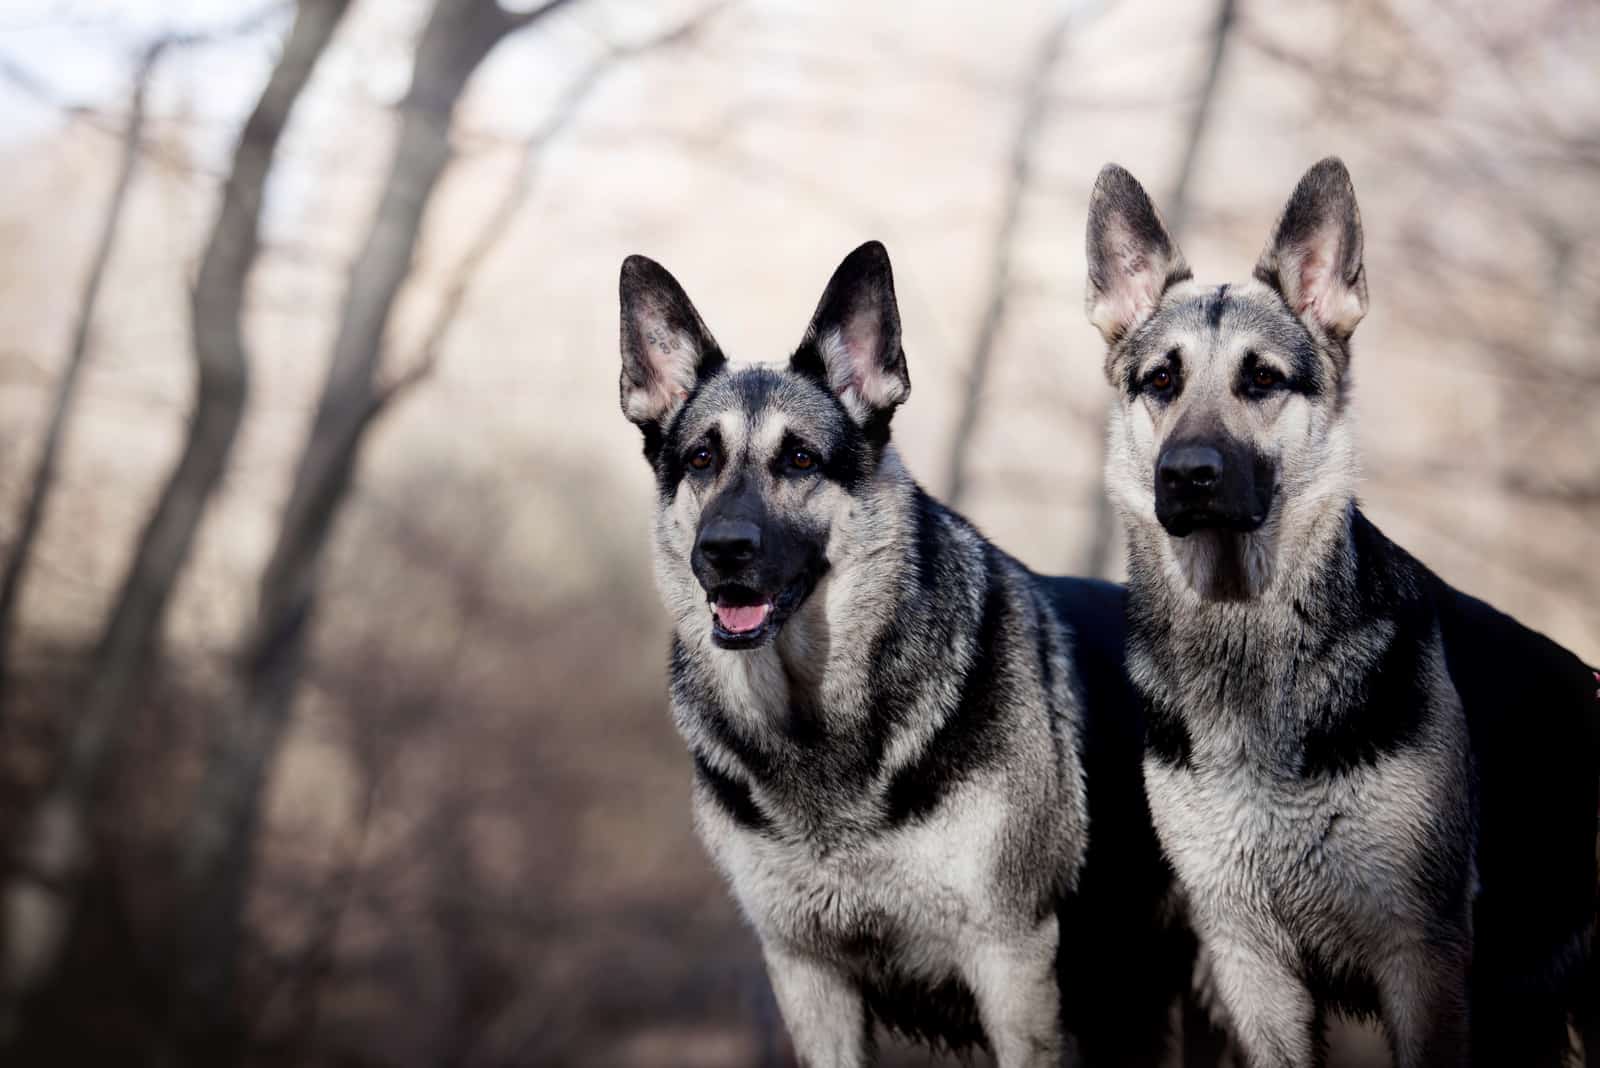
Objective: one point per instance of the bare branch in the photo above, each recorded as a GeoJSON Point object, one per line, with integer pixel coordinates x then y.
{"type": "Point", "coordinates": [1578, 496]}
{"type": "Point", "coordinates": [1399, 470]}
{"type": "Point", "coordinates": [27, 82]}
{"type": "Point", "coordinates": [525, 19]}
{"type": "Point", "coordinates": [43, 92]}
{"type": "Point", "coordinates": [1535, 135]}
{"type": "Point", "coordinates": [385, 393]}
{"type": "Point", "coordinates": [47, 95]}
{"type": "Point", "coordinates": [44, 471]}
{"type": "Point", "coordinates": [217, 863]}
{"type": "Point", "coordinates": [55, 850]}
{"type": "Point", "coordinates": [1035, 110]}
{"type": "Point", "coordinates": [497, 224]}
{"type": "Point", "coordinates": [1200, 121]}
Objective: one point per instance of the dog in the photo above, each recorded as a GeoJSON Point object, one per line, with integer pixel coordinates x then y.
{"type": "Point", "coordinates": [1378, 793]}
{"type": "Point", "coordinates": [916, 763]}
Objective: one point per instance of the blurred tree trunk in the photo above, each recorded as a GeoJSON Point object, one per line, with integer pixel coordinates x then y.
{"type": "Point", "coordinates": [44, 470]}
{"type": "Point", "coordinates": [55, 849]}
{"type": "Point", "coordinates": [1035, 110]}
{"type": "Point", "coordinates": [42, 484]}
{"type": "Point", "coordinates": [218, 848]}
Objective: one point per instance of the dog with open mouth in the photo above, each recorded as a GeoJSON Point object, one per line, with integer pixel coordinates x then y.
{"type": "Point", "coordinates": [916, 762]}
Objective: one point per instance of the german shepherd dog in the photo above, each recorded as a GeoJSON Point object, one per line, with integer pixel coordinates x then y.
{"type": "Point", "coordinates": [1379, 794]}
{"type": "Point", "coordinates": [915, 761]}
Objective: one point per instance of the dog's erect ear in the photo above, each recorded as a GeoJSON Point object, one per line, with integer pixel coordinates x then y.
{"type": "Point", "coordinates": [1132, 259]}
{"type": "Point", "coordinates": [853, 342]}
{"type": "Point", "coordinates": [666, 348]}
{"type": "Point", "coordinates": [1314, 256]}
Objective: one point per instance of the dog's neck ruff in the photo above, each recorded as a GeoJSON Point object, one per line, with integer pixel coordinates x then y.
{"type": "Point", "coordinates": [1304, 620]}
{"type": "Point", "coordinates": [1321, 674]}
{"type": "Point", "coordinates": [1260, 574]}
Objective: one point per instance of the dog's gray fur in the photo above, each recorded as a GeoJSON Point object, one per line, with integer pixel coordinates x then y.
{"type": "Point", "coordinates": [1338, 762]}
{"type": "Point", "coordinates": [891, 770]}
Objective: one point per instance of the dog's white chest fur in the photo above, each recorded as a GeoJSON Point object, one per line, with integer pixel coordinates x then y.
{"type": "Point", "coordinates": [1324, 866]}
{"type": "Point", "coordinates": [922, 895]}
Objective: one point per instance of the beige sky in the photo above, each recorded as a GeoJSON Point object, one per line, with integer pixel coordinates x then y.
{"type": "Point", "coordinates": [749, 161]}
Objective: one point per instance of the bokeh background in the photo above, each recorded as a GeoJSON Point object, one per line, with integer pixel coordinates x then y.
{"type": "Point", "coordinates": [332, 706]}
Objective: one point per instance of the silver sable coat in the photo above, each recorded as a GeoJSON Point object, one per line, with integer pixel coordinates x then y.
{"type": "Point", "coordinates": [916, 762]}
{"type": "Point", "coordinates": [1378, 793]}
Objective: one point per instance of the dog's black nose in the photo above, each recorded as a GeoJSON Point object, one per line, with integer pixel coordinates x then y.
{"type": "Point", "coordinates": [730, 542]}
{"type": "Point", "coordinates": [1190, 467]}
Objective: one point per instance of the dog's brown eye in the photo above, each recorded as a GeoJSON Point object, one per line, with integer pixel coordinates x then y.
{"type": "Point", "coordinates": [1265, 378]}
{"type": "Point", "coordinates": [700, 459]}
{"type": "Point", "coordinates": [802, 460]}
{"type": "Point", "coordinates": [1161, 379]}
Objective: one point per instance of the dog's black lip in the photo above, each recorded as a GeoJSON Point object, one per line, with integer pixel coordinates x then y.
{"type": "Point", "coordinates": [727, 639]}
{"type": "Point", "coordinates": [1182, 524]}
{"type": "Point", "coordinates": [735, 594]}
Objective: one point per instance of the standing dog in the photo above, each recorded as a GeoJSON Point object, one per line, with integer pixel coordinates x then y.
{"type": "Point", "coordinates": [916, 762]}
{"type": "Point", "coordinates": [1379, 794]}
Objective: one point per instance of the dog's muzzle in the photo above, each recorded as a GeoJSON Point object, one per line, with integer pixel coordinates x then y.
{"type": "Point", "coordinates": [1204, 485]}
{"type": "Point", "coordinates": [755, 577]}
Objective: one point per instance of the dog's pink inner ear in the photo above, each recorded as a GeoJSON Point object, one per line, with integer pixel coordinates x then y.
{"type": "Point", "coordinates": [1135, 274]}
{"type": "Point", "coordinates": [853, 353]}
{"type": "Point", "coordinates": [669, 358]}
{"type": "Point", "coordinates": [1323, 294]}
{"type": "Point", "coordinates": [862, 337]}
{"type": "Point", "coordinates": [1133, 296]}
{"type": "Point", "coordinates": [1313, 279]}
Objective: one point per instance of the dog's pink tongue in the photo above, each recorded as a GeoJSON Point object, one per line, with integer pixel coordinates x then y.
{"type": "Point", "coordinates": [740, 618]}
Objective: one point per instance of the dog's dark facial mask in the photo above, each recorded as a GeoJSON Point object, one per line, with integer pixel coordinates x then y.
{"type": "Point", "coordinates": [754, 465]}
{"type": "Point", "coordinates": [756, 566]}
{"type": "Point", "coordinates": [1228, 438]}
{"type": "Point", "coordinates": [1212, 482]}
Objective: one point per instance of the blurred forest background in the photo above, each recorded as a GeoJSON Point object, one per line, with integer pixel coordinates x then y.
{"type": "Point", "coordinates": [332, 714]}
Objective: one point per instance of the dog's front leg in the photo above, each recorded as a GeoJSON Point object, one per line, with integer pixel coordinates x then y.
{"type": "Point", "coordinates": [1019, 999]}
{"type": "Point", "coordinates": [822, 1008]}
{"type": "Point", "coordinates": [1272, 1014]}
{"type": "Point", "coordinates": [1424, 996]}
